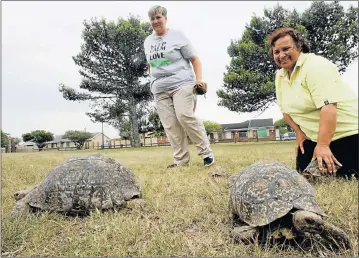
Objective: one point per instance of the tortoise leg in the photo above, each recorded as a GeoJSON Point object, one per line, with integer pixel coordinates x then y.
{"type": "Point", "coordinates": [243, 234]}
{"type": "Point", "coordinates": [240, 231]}
{"type": "Point", "coordinates": [305, 221]}
{"type": "Point", "coordinates": [332, 232]}
{"type": "Point", "coordinates": [136, 204]}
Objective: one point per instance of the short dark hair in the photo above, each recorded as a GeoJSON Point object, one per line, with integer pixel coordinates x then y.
{"type": "Point", "coordinates": [298, 39]}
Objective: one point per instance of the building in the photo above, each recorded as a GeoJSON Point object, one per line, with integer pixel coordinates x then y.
{"type": "Point", "coordinates": [62, 143]}
{"type": "Point", "coordinates": [147, 139]}
{"type": "Point", "coordinates": [95, 141]}
{"type": "Point", "coordinates": [250, 130]}
{"type": "Point", "coordinates": [26, 147]}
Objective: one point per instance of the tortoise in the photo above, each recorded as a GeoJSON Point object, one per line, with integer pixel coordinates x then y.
{"type": "Point", "coordinates": [268, 196]}
{"type": "Point", "coordinates": [313, 174]}
{"type": "Point", "coordinates": [80, 185]}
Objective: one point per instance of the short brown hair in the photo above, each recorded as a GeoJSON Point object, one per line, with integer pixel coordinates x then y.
{"type": "Point", "coordinates": [298, 39]}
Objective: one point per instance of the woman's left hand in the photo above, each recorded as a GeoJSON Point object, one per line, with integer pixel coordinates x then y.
{"type": "Point", "coordinates": [323, 153]}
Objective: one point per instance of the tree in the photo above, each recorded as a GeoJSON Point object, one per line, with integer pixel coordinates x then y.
{"type": "Point", "coordinates": [144, 125]}
{"type": "Point", "coordinates": [125, 129]}
{"type": "Point", "coordinates": [14, 141]}
{"type": "Point", "coordinates": [114, 70]}
{"type": "Point", "coordinates": [40, 137]}
{"type": "Point", "coordinates": [27, 137]}
{"type": "Point", "coordinates": [249, 79]}
{"type": "Point", "coordinates": [4, 140]}
{"type": "Point", "coordinates": [78, 137]}
{"type": "Point", "coordinates": [282, 125]}
{"type": "Point", "coordinates": [148, 121]}
{"type": "Point", "coordinates": [211, 126]}
{"type": "Point", "coordinates": [332, 32]}
{"type": "Point", "coordinates": [155, 122]}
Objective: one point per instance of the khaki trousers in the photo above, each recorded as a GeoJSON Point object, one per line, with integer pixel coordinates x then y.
{"type": "Point", "coordinates": [176, 111]}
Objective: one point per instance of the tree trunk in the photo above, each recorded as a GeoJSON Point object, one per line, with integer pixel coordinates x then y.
{"type": "Point", "coordinates": [135, 136]}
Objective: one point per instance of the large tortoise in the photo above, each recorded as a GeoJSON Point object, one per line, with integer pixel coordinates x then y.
{"type": "Point", "coordinates": [269, 195]}
{"type": "Point", "coordinates": [80, 185]}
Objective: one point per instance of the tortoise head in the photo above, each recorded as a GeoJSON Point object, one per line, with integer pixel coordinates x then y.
{"type": "Point", "coordinates": [21, 194]}
{"type": "Point", "coordinates": [312, 171]}
{"type": "Point", "coordinates": [21, 206]}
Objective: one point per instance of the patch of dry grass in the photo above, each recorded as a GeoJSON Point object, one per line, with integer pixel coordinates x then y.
{"type": "Point", "coordinates": [186, 212]}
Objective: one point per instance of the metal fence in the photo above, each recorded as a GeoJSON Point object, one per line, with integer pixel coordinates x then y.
{"type": "Point", "coordinates": [143, 143]}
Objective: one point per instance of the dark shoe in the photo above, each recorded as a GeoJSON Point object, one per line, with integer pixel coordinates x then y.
{"type": "Point", "coordinates": [209, 161]}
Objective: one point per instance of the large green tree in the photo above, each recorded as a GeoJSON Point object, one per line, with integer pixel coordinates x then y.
{"type": "Point", "coordinates": [114, 71]}
{"type": "Point", "coordinates": [40, 137]}
{"type": "Point", "coordinates": [249, 86]}
{"type": "Point", "coordinates": [78, 137]}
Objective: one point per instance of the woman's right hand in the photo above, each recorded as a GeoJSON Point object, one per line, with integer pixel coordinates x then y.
{"type": "Point", "coordinates": [301, 137]}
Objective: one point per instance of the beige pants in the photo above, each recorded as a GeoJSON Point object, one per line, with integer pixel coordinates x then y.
{"type": "Point", "coordinates": [176, 111]}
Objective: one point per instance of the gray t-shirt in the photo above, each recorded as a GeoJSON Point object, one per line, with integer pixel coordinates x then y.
{"type": "Point", "coordinates": [168, 56]}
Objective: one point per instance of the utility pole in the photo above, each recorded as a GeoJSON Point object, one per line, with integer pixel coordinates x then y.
{"type": "Point", "coordinates": [103, 141]}
{"type": "Point", "coordinates": [9, 143]}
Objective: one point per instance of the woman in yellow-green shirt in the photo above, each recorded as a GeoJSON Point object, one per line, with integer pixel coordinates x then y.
{"type": "Point", "coordinates": [316, 103]}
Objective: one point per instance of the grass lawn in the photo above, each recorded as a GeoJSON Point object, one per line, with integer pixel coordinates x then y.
{"type": "Point", "coordinates": [186, 212]}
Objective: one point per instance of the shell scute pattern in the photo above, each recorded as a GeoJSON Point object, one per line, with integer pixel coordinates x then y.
{"type": "Point", "coordinates": [266, 191]}
{"type": "Point", "coordinates": [81, 184]}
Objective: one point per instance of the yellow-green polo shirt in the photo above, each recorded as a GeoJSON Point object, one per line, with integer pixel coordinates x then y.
{"type": "Point", "coordinates": [315, 82]}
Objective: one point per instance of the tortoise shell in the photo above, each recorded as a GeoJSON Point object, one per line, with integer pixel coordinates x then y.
{"type": "Point", "coordinates": [267, 191]}
{"type": "Point", "coordinates": [82, 184]}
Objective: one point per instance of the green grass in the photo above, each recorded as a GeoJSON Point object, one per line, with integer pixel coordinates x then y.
{"type": "Point", "coordinates": [186, 212]}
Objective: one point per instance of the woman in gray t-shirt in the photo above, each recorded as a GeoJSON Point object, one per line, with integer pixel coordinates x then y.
{"type": "Point", "coordinates": [174, 69]}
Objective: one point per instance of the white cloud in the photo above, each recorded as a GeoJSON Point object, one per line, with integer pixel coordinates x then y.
{"type": "Point", "coordinates": [40, 38]}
